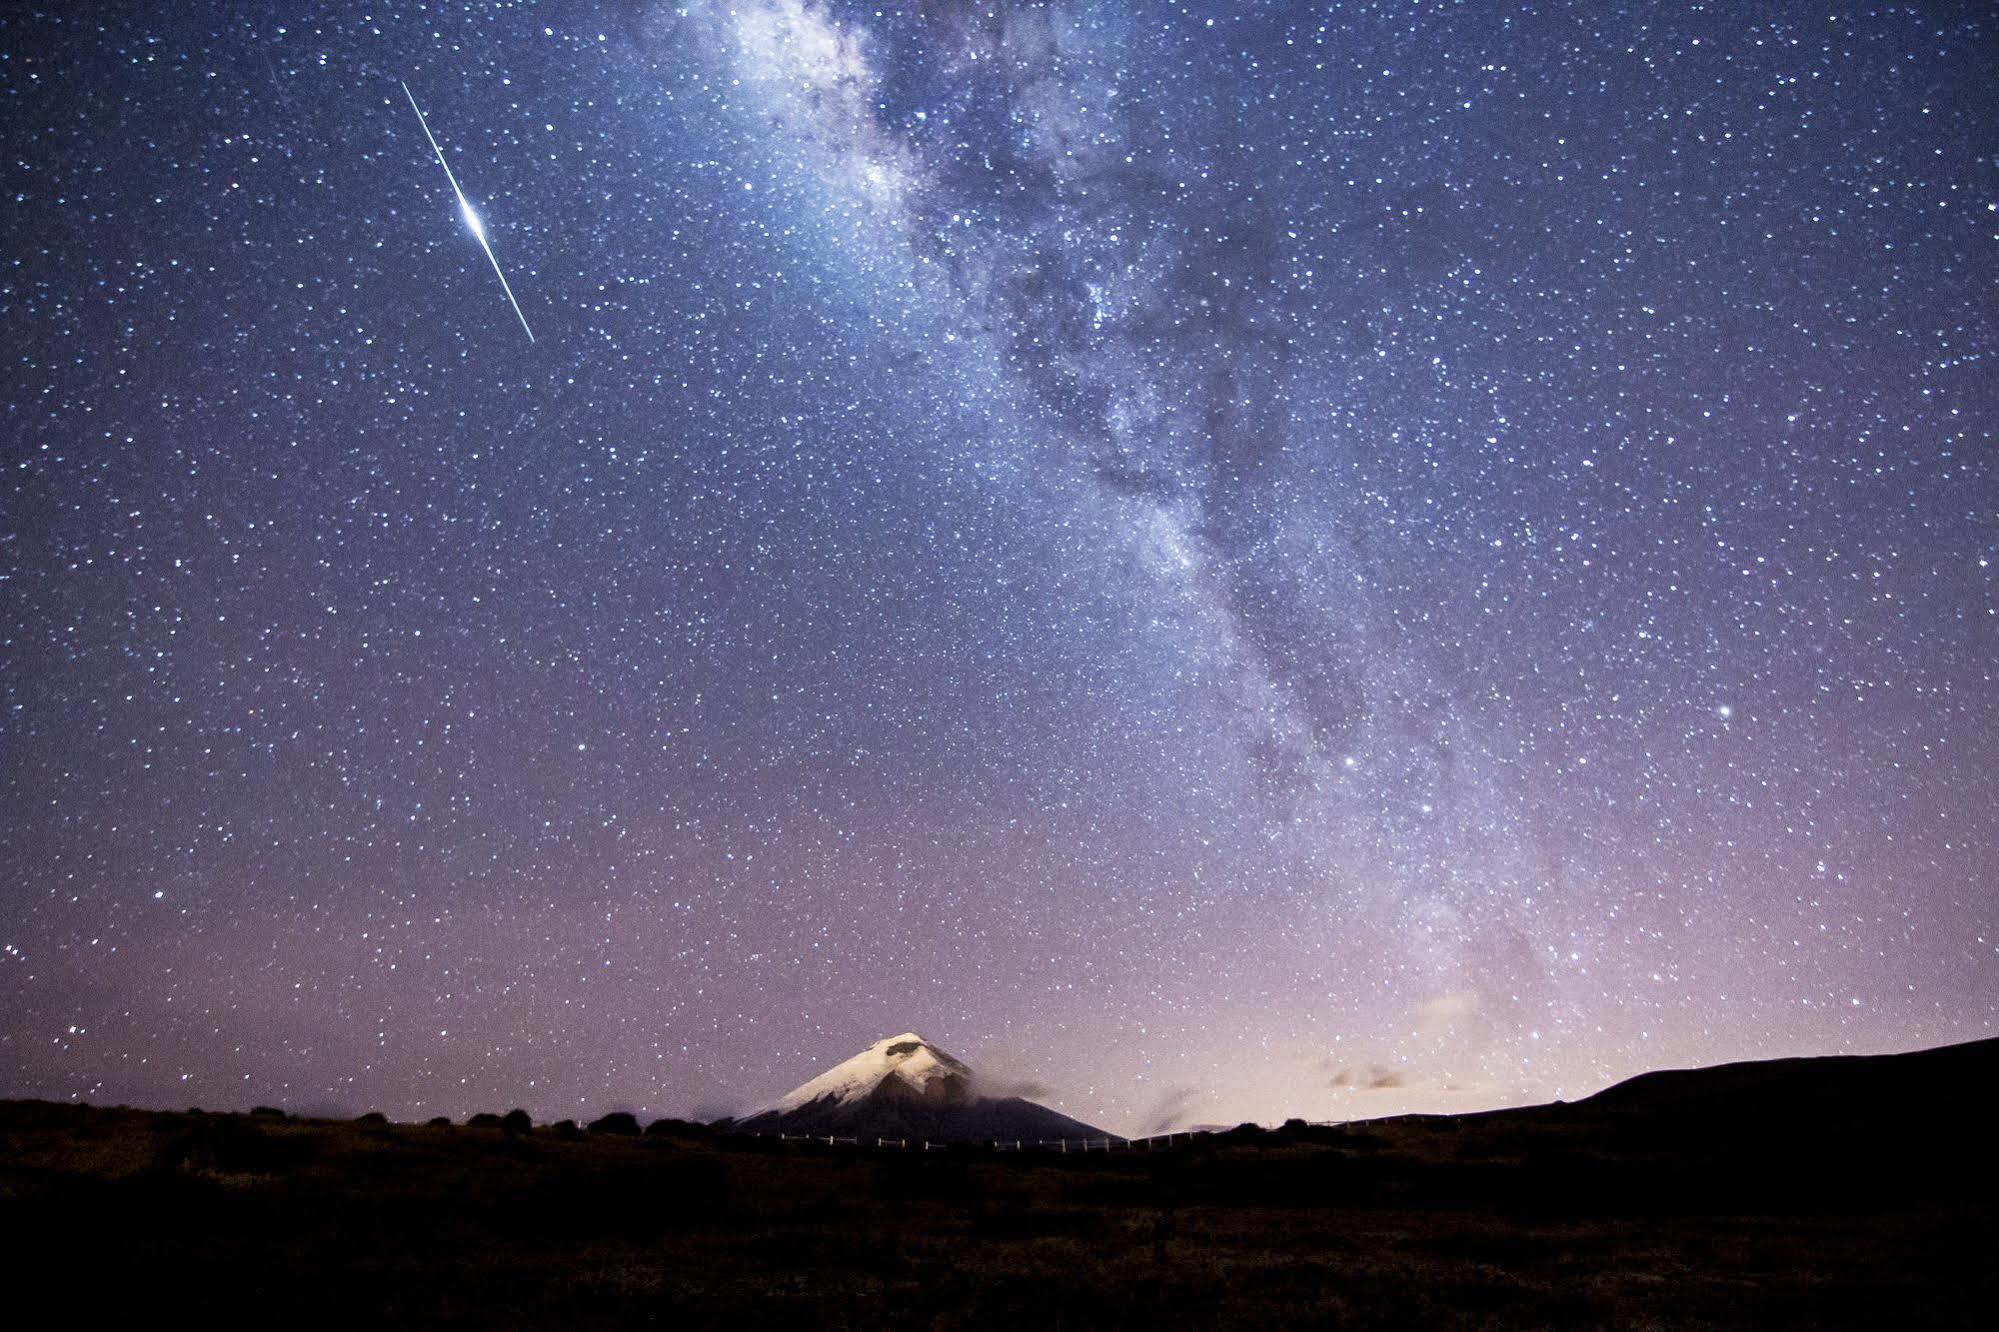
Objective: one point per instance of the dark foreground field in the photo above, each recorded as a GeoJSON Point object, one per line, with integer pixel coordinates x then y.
{"type": "Point", "coordinates": [1671, 1209]}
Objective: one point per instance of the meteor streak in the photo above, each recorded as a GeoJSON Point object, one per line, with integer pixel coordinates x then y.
{"type": "Point", "coordinates": [465, 210]}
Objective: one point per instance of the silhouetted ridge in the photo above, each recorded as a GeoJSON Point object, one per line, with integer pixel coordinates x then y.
{"type": "Point", "coordinates": [1948, 1082]}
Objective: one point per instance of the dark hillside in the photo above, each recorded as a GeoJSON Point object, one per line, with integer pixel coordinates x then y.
{"type": "Point", "coordinates": [1641, 1207]}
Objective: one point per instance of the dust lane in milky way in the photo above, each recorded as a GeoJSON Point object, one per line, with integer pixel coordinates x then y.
{"type": "Point", "coordinates": [1222, 560]}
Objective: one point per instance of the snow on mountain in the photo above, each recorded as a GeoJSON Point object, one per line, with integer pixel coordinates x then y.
{"type": "Point", "coordinates": [926, 1070]}
{"type": "Point", "coordinates": [905, 1087]}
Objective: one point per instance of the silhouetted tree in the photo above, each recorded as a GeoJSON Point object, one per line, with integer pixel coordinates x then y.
{"type": "Point", "coordinates": [677, 1128]}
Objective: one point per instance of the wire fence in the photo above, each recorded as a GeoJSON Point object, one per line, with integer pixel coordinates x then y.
{"type": "Point", "coordinates": [1058, 1146]}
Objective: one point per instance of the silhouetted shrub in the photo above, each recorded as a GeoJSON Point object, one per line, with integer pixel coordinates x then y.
{"type": "Point", "coordinates": [1300, 1130]}
{"type": "Point", "coordinates": [442, 1121]}
{"type": "Point", "coordinates": [267, 1112]}
{"type": "Point", "coordinates": [566, 1130]}
{"type": "Point", "coordinates": [225, 1144]}
{"type": "Point", "coordinates": [619, 1122]}
{"type": "Point", "coordinates": [373, 1117]}
{"type": "Point", "coordinates": [515, 1123]}
{"type": "Point", "coordinates": [515, 1148]}
{"type": "Point", "coordinates": [483, 1119]}
{"type": "Point", "coordinates": [677, 1128]}
{"type": "Point", "coordinates": [926, 1175]}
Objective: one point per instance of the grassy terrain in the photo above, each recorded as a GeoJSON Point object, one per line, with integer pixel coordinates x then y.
{"type": "Point", "coordinates": [1558, 1217]}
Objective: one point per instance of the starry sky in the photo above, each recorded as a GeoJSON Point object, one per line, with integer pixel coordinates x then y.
{"type": "Point", "coordinates": [1218, 560]}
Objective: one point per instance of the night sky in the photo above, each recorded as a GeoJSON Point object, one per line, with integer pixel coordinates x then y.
{"type": "Point", "coordinates": [1219, 561]}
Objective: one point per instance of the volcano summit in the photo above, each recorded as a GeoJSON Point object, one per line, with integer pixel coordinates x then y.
{"type": "Point", "coordinates": [905, 1087]}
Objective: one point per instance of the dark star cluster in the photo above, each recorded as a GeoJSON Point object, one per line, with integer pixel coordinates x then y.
{"type": "Point", "coordinates": [1222, 560]}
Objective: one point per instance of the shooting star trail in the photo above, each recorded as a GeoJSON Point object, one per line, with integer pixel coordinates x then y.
{"type": "Point", "coordinates": [466, 210]}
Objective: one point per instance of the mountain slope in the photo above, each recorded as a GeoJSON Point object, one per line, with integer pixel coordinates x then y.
{"type": "Point", "coordinates": [1947, 1082]}
{"type": "Point", "coordinates": [905, 1087]}
{"type": "Point", "coordinates": [1838, 1131]}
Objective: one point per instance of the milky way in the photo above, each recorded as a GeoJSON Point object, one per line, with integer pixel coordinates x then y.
{"type": "Point", "coordinates": [1220, 561]}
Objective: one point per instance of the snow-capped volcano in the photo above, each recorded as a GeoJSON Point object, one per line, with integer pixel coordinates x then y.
{"type": "Point", "coordinates": [905, 1087]}
{"type": "Point", "coordinates": [919, 1066]}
